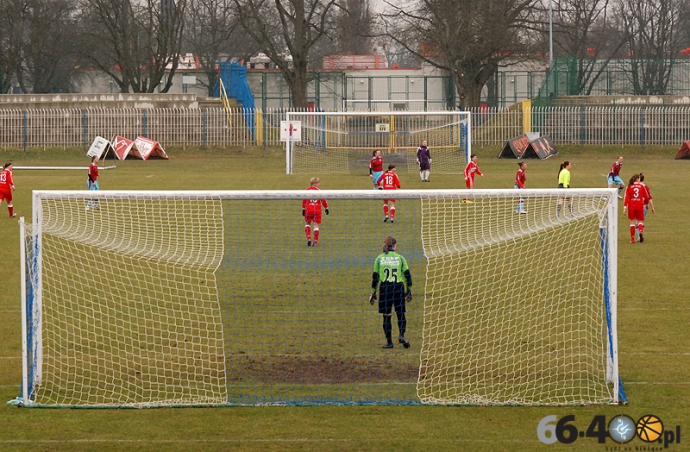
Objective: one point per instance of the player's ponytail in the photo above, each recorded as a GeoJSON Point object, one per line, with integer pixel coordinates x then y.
{"type": "Point", "coordinates": [521, 164]}
{"type": "Point", "coordinates": [389, 244]}
{"type": "Point", "coordinates": [6, 165]}
{"type": "Point", "coordinates": [563, 165]}
{"type": "Point", "coordinates": [641, 177]}
{"type": "Point", "coordinates": [633, 179]}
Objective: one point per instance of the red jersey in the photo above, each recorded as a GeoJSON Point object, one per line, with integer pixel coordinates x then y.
{"type": "Point", "coordinates": [6, 181]}
{"type": "Point", "coordinates": [636, 196]}
{"type": "Point", "coordinates": [520, 179]}
{"type": "Point", "coordinates": [615, 169]}
{"type": "Point", "coordinates": [376, 165]}
{"type": "Point", "coordinates": [649, 193]}
{"type": "Point", "coordinates": [471, 169]}
{"type": "Point", "coordinates": [93, 172]}
{"type": "Point", "coordinates": [389, 180]}
{"type": "Point", "coordinates": [313, 206]}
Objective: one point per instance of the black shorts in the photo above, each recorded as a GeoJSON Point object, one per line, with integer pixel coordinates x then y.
{"type": "Point", "coordinates": [391, 295]}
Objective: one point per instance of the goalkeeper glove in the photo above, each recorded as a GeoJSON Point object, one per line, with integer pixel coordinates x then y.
{"type": "Point", "coordinates": [408, 298]}
{"type": "Point", "coordinates": [304, 212]}
{"type": "Point", "coordinates": [326, 211]}
{"type": "Point", "coordinates": [372, 298]}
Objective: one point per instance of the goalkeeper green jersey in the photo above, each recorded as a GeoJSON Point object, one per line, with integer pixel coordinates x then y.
{"type": "Point", "coordinates": [391, 267]}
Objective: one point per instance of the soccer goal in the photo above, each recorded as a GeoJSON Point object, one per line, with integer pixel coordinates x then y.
{"type": "Point", "coordinates": [189, 298]}
{"type": "Point", "coordinates": [343, 142]}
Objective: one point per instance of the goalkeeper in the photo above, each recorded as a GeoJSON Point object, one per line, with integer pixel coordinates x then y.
{"type": "Point", "coordinates": [389, 270]}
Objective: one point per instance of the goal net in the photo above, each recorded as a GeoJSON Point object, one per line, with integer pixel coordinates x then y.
{"type": "Point", "coordinates": [190, 298]}
{"type": "Point", "coordinates": [343, 142]}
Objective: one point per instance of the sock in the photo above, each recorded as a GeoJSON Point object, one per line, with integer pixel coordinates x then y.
{"type": "Point", "coordinates": [558, 210]}
{"type": "Point", "coordinates": [316, 235]}
{"type": "Point", "coordinates": [392, 212]}
{"type": "Point", "coordinates": [385, 209]}
{"type": "Point", "coordinates": [620, 190]}
{"type": "Point", "coordinates": [402, 323]}
{"type": "Point", "coordinates": [640, 226]}
{"type": "Point", "coordinates": [387, 328]}
{"type": "Point", "coordinates": [632, 232]}
{"type": "Point", "coordinates": [11, 209]}
{"type": "Point", "coordinates": [421, 175]}
{"type": "Point", "coordinates": [307, 230]}
{"type": "Point", "coordinates": [521, 205]}
{"type": "Point", "coordinates": [427, 175]}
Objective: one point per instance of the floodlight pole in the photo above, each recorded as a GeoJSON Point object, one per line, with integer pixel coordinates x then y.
{"type": "Point", "coordinates": [550, 35]}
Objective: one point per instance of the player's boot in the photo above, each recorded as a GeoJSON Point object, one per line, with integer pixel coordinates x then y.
{"type": "Point", "coordinates": [388, 345]}
{"type": "Point", "coordinates": [385, 220]}
{"type": "Point", "coordinates": [315, 243]}
{"type": "Point", "coordinates": [402, 340]}
{"type": "Point", "coordinates": [641, 238]}
{"type": "Point", "coordinates": [308, 242]}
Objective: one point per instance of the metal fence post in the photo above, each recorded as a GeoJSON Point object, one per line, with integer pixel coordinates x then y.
{"type": "Point", "coordinates": [642, 137]}
{"type": "Point", "coordinates": [25, 132]}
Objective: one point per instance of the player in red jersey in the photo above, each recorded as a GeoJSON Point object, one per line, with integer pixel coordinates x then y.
{"type": "Point", "coordinates": [614, 175]}
{"type": "Point", "coordinates": [7, 187]}
{"type": "Point", "coordinates": [635, 197]}
{"type": "Point", "coordinates": [389, 181]}
{"type": "Point", "coordinates": [470, 170]}
{"type": "Point", "coordinates": [311, 211]}
{"type": "Point", "coordinates": [520, 179]}
{"type": "Point", "coordinates": [375, 168]}
{"type": "Point", "coordinates": [92, 182]}
{"type": "Point", "coordinates": [649, 203]}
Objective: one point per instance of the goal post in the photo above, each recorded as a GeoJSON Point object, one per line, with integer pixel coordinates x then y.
{"type": "Point", "coordinates": [343, 142]}
{"type": "Point", "coordinates": [188, 298]}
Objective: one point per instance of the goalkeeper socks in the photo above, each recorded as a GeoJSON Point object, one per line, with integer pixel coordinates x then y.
{"type": "Point", "coordinates": [316, 235]}
{"type": "Point", "coordinates": [402, 323]}
{"type": "Point", "coordinates": [387, 328]}
{"type": "Point", "coordinates": [421, 175]}
{"type": "Point", "coordinates": [426, 176]}
{"type": "Point", "coordinates": [307, 231]}
{"type": "Point", "coordinates": [558, 210]}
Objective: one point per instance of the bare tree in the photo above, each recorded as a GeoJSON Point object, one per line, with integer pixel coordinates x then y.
{"type": "Point", "coordinates": [653, 30]}
{"type": "Point", "coordinates": [467, 39]}
{"type": "Point", "coordinates": [354, 27]}
{"type": "Point", "coordinates": [134, 41]}
{"type": "Point", "coordinates": [49, 54]}
{"type": "Point", "coordinates": [12, 17]}
{"type": "Point", "coordinates": [581, 29]}
{"type": "Point", "coordinates": [212, 33]}
{"type": "Point", "coordinates": [286, 31]}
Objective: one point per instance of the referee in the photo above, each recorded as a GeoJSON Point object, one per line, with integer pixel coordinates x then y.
{"type": "Point", "coordinates": [389, 270]}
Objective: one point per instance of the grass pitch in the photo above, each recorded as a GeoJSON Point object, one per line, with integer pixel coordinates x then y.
{"type": "Point", "coordinates": [652, 320]}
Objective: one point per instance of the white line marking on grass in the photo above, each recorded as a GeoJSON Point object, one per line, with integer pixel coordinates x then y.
{"type": "Point", "coordinates": [252, 441]}
{"type": "Point", "coordinates": [683, 383]}
{"type": "Point", "coordinates": [10, 357]}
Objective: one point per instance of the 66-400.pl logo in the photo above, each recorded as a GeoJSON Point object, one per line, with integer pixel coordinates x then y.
{"type": "Point", "coordinates": [621, 429]}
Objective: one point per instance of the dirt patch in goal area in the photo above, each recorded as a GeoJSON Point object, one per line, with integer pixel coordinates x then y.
{"type": "Point", "coordinates": [321, 370]}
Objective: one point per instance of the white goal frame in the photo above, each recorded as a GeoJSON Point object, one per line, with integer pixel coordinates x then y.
{"type": "Point", "coordinates": [32, 351]}
{"type": "Point", "coordinates": [465, 116]}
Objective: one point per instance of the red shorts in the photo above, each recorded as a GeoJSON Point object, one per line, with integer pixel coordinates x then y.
{"type": "Point", "coordinates": [469, 182]}
{"type": "Point", "coordinates": [6, 195]}
{"type": "Point", "coordinates": [385, 201]}
{"type": "Point", "coordinates": [313, 217]}
{"type": "Point", "coordinates": [636, 214]}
